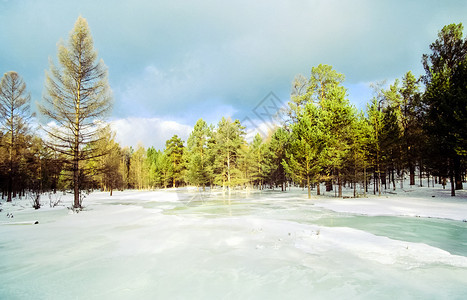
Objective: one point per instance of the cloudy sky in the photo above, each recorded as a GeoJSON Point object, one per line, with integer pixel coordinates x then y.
{"type": "Point", "coordinates": [173, 62]}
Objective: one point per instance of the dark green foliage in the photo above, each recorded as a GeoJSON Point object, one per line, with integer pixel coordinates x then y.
{"type": "Point", "coordinates": [275, 154]}
{"type": "Point", "coordinates": [322, 132]}
{"type": "Point", "coordinates": [197, 161]}
{"type": "Point", "coordinates": [305, 152]}
{"type": "Point", "coordinates": [174, 151]}
{"type": "Point", "coordinates": [445, 104]}
{"type": "Point", "coordinates": [227, 149]}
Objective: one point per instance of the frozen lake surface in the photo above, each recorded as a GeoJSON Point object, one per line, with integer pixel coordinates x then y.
{"type": "Point", "coordinates": [182, 244]}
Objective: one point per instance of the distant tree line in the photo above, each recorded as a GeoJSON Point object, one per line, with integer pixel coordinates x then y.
{"type": "Point", "coordinates": [415, 127]}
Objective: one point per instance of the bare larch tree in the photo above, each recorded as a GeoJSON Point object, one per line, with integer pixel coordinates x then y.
{"type": "Point", "coordinates": [14, 120]}
{"type": "Point", "coordinates": [77, 98]}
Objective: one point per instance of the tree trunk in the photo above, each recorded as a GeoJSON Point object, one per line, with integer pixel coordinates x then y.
{"type": "Point", "coordinates": [379, 181]}
{"type": "Point", "coordinates": [374, 184]}
{"type": "Point", "coordinates": [328, 185]}
{"type": "Point", "coordinates": [355, 189]}
{"type": "Point", "coordinates": [308, 184]}
{"type": "Point", "coordinates": [458, 174]}
{"type": "Point", "coordinates": [402, 179]}
{"type": "Point", "coordinates": [412, 173]}
{"type": "Point", "coordinates": [76, 148]}
{"type": "Point", "coordinates": [453, 189]}
{"type": "Point", "coordinates": [365, 183]}
{"type": "Point", "coordinates": [76, 187]}
{"type": "Point", "coordinates": [339, 183]}
{"type": "Point", "coordinates": [10, 189]}
{"type": "Point", "coordinates": [318, 189]}
{"type": "Point", "coordinates": [421, 175]}
{"type": "Point", "coordinates": [384, 180]}
{"type": "Point", "coordinates": [355, 179]}
{"type": "Point", "coordinates": [76, 203]}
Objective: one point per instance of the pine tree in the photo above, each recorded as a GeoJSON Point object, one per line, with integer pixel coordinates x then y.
{"type": "Point", "coordinates": [321, 133]}
{"type": "Point", "coordinates": [391, 133]}
{"type": "Point", "coordinates": [229, 139]}
{"type": "Point", "coordinates": [375, 122]}
{"type": "Point", "coordinates": [152, 157]}
{"type": "Point", "coordinates": [198, 170]}
{"type": "Point", "coordinates": [410, 123]}
{"type": "Point", "coordinates": [274, 155]}
{"type": "Point", "coordinates": [338, 117]}
{"type": "Point", "coordinates": [305, 152]}
{"type": "Point", "coordinates": [125, 166]}
{"type": "Point", "coordinates": [444, 103]}
{"type": "Point", "coordinates": [359, 157]}
{"type": "Point", "coordinates": [165, 165]}
{"type": "Point", "coordinates": [174, 150]}
{"type": "Point", "coordinates": [77, 97]}
{"type": "Point", "coordinates": [256, 161]}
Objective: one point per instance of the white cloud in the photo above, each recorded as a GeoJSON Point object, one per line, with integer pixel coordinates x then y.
{"type": "Point", "coordinates": [154, 132]}
{"type": "Point", "coordinates": [148, 131]}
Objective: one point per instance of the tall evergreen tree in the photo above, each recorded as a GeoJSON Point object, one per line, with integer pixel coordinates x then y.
{"type": "Point", "coordinates": [444, 103]}
{"type": "Point", "coordinates": [359, 155]}
{"type": "Point", "coordinates": [304, 162]}
{"type": "Point", "coordinates": [410, 123]}
{"type": "Point", "coordinates": [199, 171]}
{"type": "Point", "coordinates": [338, 117]}
{"type": "Point", "coordinates": [375, 121]}
{"type": "Point", "coordinates": [154, 176]}
{"type": "Point", "coordinates": [77, 96]}
{"type": "Point", "coordinates": [125, 166]}
{"type": "Point", "coordinates": [256, 163]}
{"type": "Point", "coordinates": [165, 166]}
{"type": "Point", "coordinates": [174, 150]}
{"type": "Point", "coordinates": [323, 120]}
{"type": "Point", "coordinates": [229, 139]}
{"type": "Point", "coordinates": [275, 154]}
{"type": "Point", "coordinates": [391, 134]}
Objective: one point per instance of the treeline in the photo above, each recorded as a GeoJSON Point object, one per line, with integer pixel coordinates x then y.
{"type": "Point", "coordinates": [212, 156]}
{"type": "Point", "coordinates": [414, 126]}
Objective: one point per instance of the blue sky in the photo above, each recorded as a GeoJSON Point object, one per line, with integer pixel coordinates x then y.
{"type": "Point", "coordinates": [173, 62]}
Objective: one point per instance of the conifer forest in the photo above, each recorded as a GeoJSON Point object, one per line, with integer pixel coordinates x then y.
{"type": "Point", "coordinates": [414, 127]}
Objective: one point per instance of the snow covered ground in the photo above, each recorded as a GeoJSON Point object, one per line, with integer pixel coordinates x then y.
{"type": "Point", "coordinates": [183, 244]}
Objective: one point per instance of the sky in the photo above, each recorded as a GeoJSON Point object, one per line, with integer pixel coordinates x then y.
{"type": "Point", "coordinates": [173, 62]}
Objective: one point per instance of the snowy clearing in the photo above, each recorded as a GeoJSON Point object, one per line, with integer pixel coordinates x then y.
{"type": "Point", "coordinates": [179, 244]}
